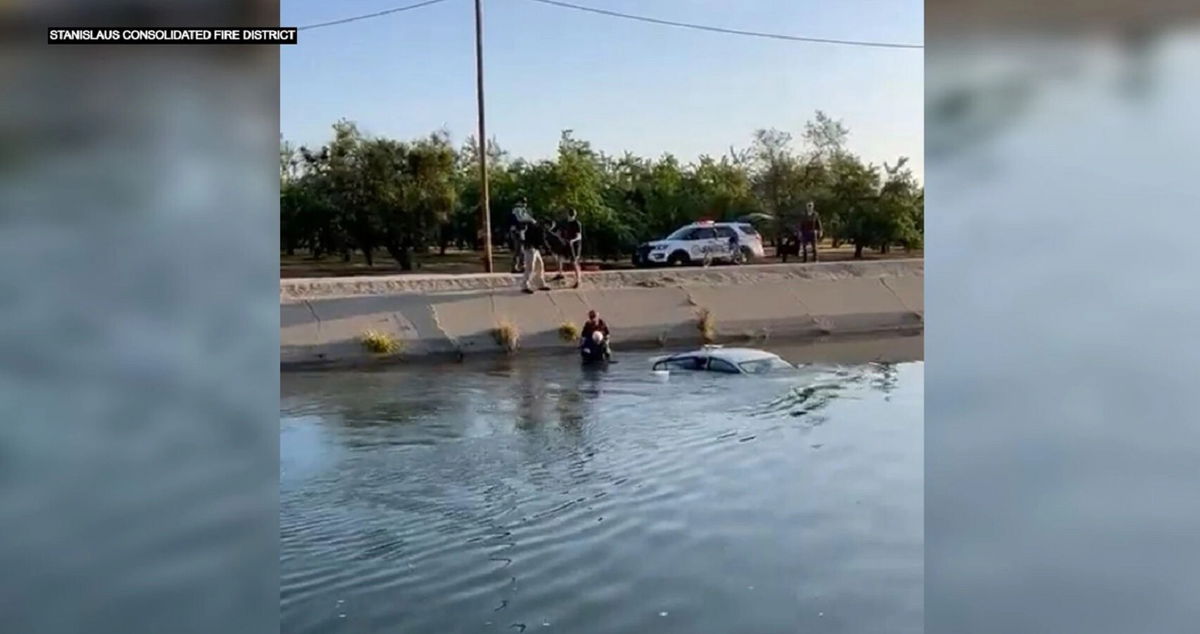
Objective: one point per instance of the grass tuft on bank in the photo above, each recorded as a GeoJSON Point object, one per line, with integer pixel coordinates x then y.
{"type": "Point", "coordinates": [379, 342]}
{"type": "Point", "coordinates": [507, 336]}
{"type": "Point", "coordinates": [569, 332]}
{"type": "Point", "coordinates": [707, 326]}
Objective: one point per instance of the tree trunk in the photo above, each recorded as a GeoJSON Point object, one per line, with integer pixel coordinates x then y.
{"type": "Point", "coordinates": [858, 252]}
{"type": "Point", "coordinates": [368, 255]}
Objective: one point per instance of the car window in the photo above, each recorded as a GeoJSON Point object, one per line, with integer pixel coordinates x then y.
{"type": "Point", "coordinates": [721, 365]}
{"type": "Point", "coordinates": [704, 234]}
{"type": "Point", "coordinates": [681, 363]}
{"type": "Point", "coordinates": [763, 366]}
{"type": "Point", "coordinates": [725, 232]}
{"type": "Point", "coordinates": [681, 234]}
{"type": "Point", "coordinates": [747, 229]}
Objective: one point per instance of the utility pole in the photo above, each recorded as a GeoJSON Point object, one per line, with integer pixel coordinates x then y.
{"type": "Point", "coordinates": [483, 174]}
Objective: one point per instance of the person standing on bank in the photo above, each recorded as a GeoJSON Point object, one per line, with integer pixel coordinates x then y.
{"type": "Point", "coordinates": [516, 233]}
{"type": "Point", "coordinates": [572, 232]}
{"type": "Point", "coordinates": [556, 246]}
{"type": "Point", "coordinates": [810, 232]}
{"type": "Point", "coordinates": [534, 243]}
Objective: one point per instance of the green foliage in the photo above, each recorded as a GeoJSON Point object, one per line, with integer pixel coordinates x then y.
{"type": "Point", "coordinates": [359, 192]}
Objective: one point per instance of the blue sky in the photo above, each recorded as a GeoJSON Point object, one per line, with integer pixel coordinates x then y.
{"type": "Point", "coordinates": [622, 85]}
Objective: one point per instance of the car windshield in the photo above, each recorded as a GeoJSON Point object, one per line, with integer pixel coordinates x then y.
{"type": "Point", "coordinates": [763, 366]}
{"type": "Point", "coordinates": [680, 234]}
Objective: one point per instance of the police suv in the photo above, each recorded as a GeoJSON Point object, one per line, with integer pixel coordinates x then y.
{"type": "Point", "coordinates": [700, 242]}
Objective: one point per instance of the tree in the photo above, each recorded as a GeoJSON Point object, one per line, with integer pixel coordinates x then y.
{"type": "Point", "coordinates": [371, 193]}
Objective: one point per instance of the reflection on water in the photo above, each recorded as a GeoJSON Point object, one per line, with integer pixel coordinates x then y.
{"type": "Point", "coordinates": [511, 495]}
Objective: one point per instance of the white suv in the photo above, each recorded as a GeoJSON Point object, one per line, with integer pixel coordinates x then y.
{"type": "Point", "coordinates": [700, 242]}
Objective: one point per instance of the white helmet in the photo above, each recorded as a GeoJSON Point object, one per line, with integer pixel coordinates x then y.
{"type": "Point", "coordinates": [597, 336]}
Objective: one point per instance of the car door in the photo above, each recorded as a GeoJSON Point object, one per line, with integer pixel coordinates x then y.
{"type": "Point", "coordinates": [724, 246]}
{"type": "Point", "coordinates": [700, 242]}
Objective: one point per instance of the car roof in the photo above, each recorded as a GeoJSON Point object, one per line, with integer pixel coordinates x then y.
{"type": "Point", "coordinates": [732, 355]}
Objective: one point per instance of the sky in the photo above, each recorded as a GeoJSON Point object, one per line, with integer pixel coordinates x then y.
{"type": "Point", "coordinates": [619, 84]}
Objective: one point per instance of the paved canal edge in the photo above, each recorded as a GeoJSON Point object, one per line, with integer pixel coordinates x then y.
{"type": "Point", "coordinates": [323, 321]}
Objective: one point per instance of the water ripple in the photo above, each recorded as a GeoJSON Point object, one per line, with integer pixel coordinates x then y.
{"type": "Point", "coordinates": [598, 502]}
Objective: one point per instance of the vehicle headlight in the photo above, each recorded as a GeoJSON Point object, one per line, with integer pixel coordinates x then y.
{"type": "Point", "coordinates": [659, 247]}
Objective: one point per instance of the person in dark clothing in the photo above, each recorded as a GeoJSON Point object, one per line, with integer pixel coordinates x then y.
{"type": "Point", "coordinates": [735, 247]}
{"type": "Point", "coordinates": [810, 232]}
{"type": "Point", "coordinates": [593, 325]}
{"type": "Point", "coordinates": [572, 233]}
{"type": "Point", "coordinates": [516, 233]}
{"type": "Point", "coordinates": [556, 246]}
{"type": "Point", "coordinates": [515, 238]}
{"type": "Point", "coordinates": [789, 241]}
{"type": "Point", "coordinates": [534, 244]}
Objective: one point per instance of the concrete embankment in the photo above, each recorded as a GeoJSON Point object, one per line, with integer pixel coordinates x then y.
{"type": "Point", "coordinates": [322, 320]}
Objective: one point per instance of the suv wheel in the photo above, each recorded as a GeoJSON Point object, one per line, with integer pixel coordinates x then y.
{"type": "Point", "coordinates": [679, 258]}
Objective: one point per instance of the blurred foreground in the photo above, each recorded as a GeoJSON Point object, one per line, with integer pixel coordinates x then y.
{"type": "Point", "coordinates": [1060, 449]}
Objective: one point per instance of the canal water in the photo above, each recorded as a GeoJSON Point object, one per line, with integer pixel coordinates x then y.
{"type": "Point", "coordinates": [532, 495]}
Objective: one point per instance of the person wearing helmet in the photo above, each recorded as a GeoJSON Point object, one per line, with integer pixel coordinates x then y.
{"type": "Point", "coordinates": [596, 335]}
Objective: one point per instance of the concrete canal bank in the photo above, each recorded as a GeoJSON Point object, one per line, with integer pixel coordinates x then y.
{"type": "Point", "coordinates": [322, 320]}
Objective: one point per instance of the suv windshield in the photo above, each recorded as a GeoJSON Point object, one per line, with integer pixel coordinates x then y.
{"type": "Point", "coordinates": [763, 366]}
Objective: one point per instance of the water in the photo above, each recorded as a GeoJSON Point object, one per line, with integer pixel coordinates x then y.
{"type": "Point", "coordinates": [533, 494]}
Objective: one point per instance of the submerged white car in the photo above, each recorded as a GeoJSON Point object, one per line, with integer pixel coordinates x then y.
{"type": "Point", "coordinates": [724, 360]}
{"type": "Point", "coordinates": [701, 241]}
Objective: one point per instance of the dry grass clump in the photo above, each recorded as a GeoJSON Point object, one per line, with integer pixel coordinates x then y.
{"type": "Point", "coordinates": [707, 326]}
{"type": "Point", "coordinates": [569, 332]}
{"type": "Point", "coordinates": [379, 342]}
{"type": "Point", "coordinates": [507, 335]}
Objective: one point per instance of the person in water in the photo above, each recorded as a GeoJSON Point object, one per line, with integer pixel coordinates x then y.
{"type": "Point", "coordinates": [593, 325]}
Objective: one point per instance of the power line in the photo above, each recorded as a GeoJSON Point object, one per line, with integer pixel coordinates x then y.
{"type": "Point", "coordinates": [717, 29]}
{"type": "Point", "coordinates": [370, 15]}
